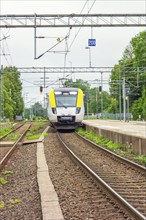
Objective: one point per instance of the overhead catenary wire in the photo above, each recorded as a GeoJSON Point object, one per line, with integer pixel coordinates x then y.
{"type": "Point", "coordinates": [3, 54]}
{"type": "Point", "coordinates": [29, 82]}
{"type": "Point", "coordinates": [82, 22]}
{"type": "Point", "coordinates": [78, 30]}
{"type": "Point", "coordinates": [8, 50]}
{"type": "Point", "coordinates": [51, 48]}
{"type": "Point", "coordinates": [4, 40]}
{"type": "Point", "coordinates": [66, 43]}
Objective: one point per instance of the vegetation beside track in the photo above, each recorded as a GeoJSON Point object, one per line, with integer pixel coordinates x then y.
{"type": "Point", "coordinates": [5, 131]}
{"type": "Point", "coordinates": [3, 181]}
{"type": "Point", "coordinates": [118, 148]}
{"type": "Point", "coordinates": [36, 131]}
{"type": "Point", "coordinates": [13, 137]}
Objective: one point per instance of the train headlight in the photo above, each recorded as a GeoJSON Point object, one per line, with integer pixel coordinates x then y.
{"type": "Point", "coordinates": [54, 110]}
{"type": "Point", "coordinates": [78, 110]}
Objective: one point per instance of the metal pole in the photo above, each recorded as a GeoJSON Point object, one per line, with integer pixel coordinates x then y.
{"type": "Point", "coordinates": [89, 57]}
{"type": "Point", "coordinates": [44, 86]}
{"type": "Point", "coordinates": [1, 94]}
{"type": "Point", "coordinates": [97, 99]}
{"type": "Point", "coordinates": [34, 36]}
{"type": "Point", "coordinates": [137, 76]}
{"type": "Point", "coordinates": [87, 107]}
{"type": "Point", "coordinates": [120, 109]}
{"type": "Point", "coordinates": [124, 101]}
{"type": "Point", "coordinates": [101, 95]}
{"type": "Point", "coordinates": [71, 72]}
{"type": "Point", "coordinates": [86, 98]}
{"type": "Point", "coordinates": [128, 108]}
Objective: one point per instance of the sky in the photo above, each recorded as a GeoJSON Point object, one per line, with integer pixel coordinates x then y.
{"type": "Point", "coordinates": [110, 41]}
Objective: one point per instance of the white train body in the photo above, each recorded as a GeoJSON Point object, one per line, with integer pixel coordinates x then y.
{"type": "Point", "coordinates": [66, 107]}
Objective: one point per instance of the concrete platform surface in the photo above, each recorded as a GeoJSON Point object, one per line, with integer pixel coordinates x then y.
{"type": "Point", "coordinates": [134, 128]}
{"type": "Point", "coordinates": [6, 143]}
{"type": "Point", "coordinates": [49, 201]}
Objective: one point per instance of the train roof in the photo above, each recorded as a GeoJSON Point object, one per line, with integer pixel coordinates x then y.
{"type": "Point", "coordinates": [65, 89]}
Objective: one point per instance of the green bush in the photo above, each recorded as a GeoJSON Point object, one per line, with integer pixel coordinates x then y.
{"type": "Point", "coordinates": [141, 159]}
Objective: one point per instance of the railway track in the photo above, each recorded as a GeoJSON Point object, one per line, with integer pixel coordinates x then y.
{"type": "Point", "coordinates": [7, 147]}
{"type": "Point", "coordinates": [122, 180]}
{"type": "Point", "coordinates": [16, 127]}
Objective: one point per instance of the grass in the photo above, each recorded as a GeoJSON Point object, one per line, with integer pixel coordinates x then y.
{"type": "Point", "coordinates": [35, 133]}
{"type": "Point", "coordinates": [2, 204]}
{"type": "Point", "coordinates": [16, 201]}
{"type": "Point", "coordinates": [13, 136]}
{"type": "Point", "coordinates": [7, 172]}
{"type": "Point", "coordinates": [100, 140]}
{"type": "Point", "coordinates": [2, 181]}
{"type": "Point", "coordinates": [33, 137]}
{"type": "Point", "coordinates": [141, 159]}
{"type": "Point", "coordinates": [5, 131]}
{"type": "Point", "coordinates": [118, 148]}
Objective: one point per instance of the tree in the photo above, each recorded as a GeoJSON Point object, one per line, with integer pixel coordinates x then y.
{"type": "Point", "coordinates": [13, 101]}
{"type": "Point", "coordinates": [93, 101]}
{"type": "Point", "coordinates": [138, 44]}
{"type": "Point", "coordinates": [136, 109]}
{"type": "Point", "coordinates": [134, 57]}
{"type": "Point", "coordinates": [144, 103]}
{"type": "Point", "coordinates": [38, 110]}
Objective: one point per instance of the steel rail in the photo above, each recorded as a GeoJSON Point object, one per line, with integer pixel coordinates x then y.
{"type": "Point", "coordinates": [9, 153]}
{"type": "Point", "coordinates": [1, 138]}
{"type": "Point", "coordinates": [134, 213]}
{"type": "Point", "coordinates": [112, 154]}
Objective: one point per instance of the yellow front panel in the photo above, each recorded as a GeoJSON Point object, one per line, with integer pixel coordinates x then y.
{"type": "Point", "coordinates": [52, 100]}
{"type": "Point", "coordinates": [79, 98]}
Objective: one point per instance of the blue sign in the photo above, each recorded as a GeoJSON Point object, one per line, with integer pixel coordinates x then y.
{"type": "Point", "coordinates": [91, 42]}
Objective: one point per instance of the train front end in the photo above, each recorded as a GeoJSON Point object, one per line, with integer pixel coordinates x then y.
{"type": "Point", "coordinates": [66, 108]}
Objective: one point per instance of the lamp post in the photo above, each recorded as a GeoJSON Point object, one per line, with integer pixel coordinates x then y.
{"type": "Point", "coordinates": [71, 71]}
{"type": "Point", "coordinates": [88, 48]}
{"type": "Point", "coordinates": [101, 95]}
{"type": "Point", "coordinates": [96, 97]}
{"type": "Point", "coordinates": [124, 100]}
{"type": "Point", "coordinates": [1, 94]}
{"type": "Point", "coordinates": [44, 78]}
{"type": "Point", "coordinates": [25, 97]}
{"type": "Point", "coordinates": [127, 101]}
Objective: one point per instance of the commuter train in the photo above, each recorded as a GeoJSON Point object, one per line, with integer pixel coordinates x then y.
{"type": "Point", "coordinates": [66, 108]}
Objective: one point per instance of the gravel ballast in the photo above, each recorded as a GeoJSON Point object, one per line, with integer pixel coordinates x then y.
{"type": "Point", "coordinates": [79, 197]}
{"type": "Point", "coordinates": [20, 195]}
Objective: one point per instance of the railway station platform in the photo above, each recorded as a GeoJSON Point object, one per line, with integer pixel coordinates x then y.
{"type": "Point", "coordinates": [132, 133]}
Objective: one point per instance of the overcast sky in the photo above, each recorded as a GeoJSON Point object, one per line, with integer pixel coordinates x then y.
{"type": "Point", "coordinates": [110, 42]}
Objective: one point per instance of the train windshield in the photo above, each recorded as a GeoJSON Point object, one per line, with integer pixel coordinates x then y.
{"type": "Point", "coordinates": [66, 99]}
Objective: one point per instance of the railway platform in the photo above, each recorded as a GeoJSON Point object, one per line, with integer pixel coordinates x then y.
{"type": "Point", "coordinates": [132, 133]}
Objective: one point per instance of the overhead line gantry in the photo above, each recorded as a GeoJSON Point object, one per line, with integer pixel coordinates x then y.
{"type": "Point", "coordinates": [76, 69]}
{"type": "Point", "coordinates": [72, 20]}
